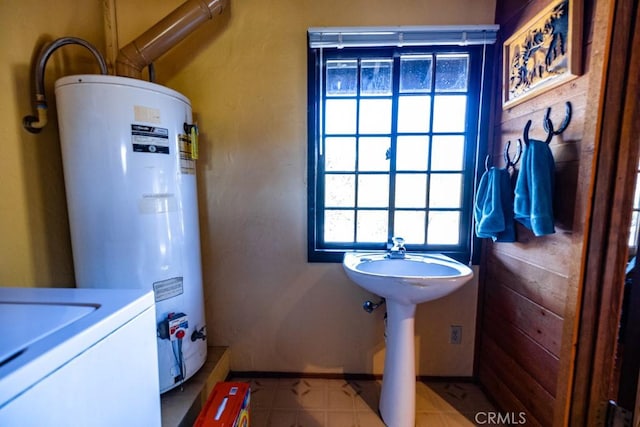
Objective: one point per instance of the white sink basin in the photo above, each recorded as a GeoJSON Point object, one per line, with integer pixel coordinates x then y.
{"type": "Point", "coordinates": [403, 282]}
{"type": "Point", "coordinates": [410, 280]}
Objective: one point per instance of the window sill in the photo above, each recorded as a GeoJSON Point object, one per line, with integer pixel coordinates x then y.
{"type": "Point", "coordinates": [337, 255]}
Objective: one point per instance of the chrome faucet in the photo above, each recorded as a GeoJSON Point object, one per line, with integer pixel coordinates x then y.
{"type": "Point", "coordinates": [398, 250]}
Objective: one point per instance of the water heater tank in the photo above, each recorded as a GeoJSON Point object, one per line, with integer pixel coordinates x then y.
{"type": "Point", "coordinates": [129, 170]}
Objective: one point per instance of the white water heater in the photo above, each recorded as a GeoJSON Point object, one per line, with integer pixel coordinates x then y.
{"type": "Point", "coordinates": [128, 150]}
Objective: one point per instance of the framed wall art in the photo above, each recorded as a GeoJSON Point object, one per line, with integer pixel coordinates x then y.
{"type": "Point", "coordinates": [543, 53]}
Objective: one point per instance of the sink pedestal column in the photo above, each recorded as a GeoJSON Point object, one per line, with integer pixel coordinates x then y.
{"type": "Point", "coordinates": [398, 396]}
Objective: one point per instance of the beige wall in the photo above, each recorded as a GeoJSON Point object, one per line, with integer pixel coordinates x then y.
{"type": "Point", "coordinates": [35, 248]}
{"type": "Point", "coordinates": [245, 74]}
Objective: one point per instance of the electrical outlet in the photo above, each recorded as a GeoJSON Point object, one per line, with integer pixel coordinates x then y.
{"type": "Point", "coordinates": [455, 336]}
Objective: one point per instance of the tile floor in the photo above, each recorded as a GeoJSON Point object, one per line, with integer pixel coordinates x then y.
{"type": "Point", "coordinates": [311, 402]}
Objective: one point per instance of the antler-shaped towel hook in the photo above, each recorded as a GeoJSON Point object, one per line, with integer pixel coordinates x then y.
{"type": "Point", "coordinates": [548, 125]}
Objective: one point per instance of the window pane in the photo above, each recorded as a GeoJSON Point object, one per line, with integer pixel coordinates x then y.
{"type": "Point", "coordinates": [445, 190]}
{"type": "Point", "coordinates": [452, 72]}
{"type": "Point", "coordinates": [410, 226]}
{"type": "Point", "coordinates": [373, 191]}
{"type": "Point", "coordinates": [449, 113]}
{"type": "Point", "coordinates": [376, 76]}
{"type": "Point", "coordinates": [411, 190]}
{"type": "Point", "coordinates": [372, 154]}
{"type": "Point", "coordinates": [634, 230]}
{"type": "Point", "coordinates": [375, 116]}
{"type": "Point", "coordinates": [444, 228]}
{"type": "Point", "coordinates": [412, 152]}
{"type": "Point", "coordinates": [447, 152]}
{"type": "Point", "coordinates": [338, 226]}
{"type": "Point", "coordinates": [340, 116]}
{"type": "Point", "coordinates": [342, 77]}
{"type": "Point", "coordinates": [413, 113]}
{"type": "Point", "coordinates": [340, 154]}
{"type": "Point", "coordinates": [372, 226]}
{"type": "Point", "coordinates": [415, 73]}
{"type": "Point", "coordinates": [633, 234]}
{"type": "Point", "coordinates": [339, 190]}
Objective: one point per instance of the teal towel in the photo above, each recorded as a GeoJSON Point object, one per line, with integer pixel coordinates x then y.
{"type": "Point", "coordinates": [493, 210]}
{"type": "Point", "coordinates": [533, 203]}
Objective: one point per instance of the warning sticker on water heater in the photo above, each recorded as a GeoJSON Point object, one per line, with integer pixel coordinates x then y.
{"type": "Point", "coordinates": [149, 139]}
{"type": "Point", "coordinates": [187, 164]}
{"type": "Point", "coordinates": [169, 288]}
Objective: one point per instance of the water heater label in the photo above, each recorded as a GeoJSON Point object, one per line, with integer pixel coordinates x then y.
{"type": "Point", "coordinates": [149, 139]}
{"type": "Point", "coordinates": [169, 288]}
{"type": "Point", "coordinates": [187, 164]}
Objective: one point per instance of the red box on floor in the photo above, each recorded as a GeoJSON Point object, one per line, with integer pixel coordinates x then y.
{"type": "Point", "coordinates": [227, 406]}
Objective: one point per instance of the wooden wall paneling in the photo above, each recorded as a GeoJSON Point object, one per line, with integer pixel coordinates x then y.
{"type": "Point", "coordinates": [561, 146]}
{"type": "Point", "coordinates": [504, 397]}
{"type": "Point", "coordinates": [537, 401]}
{"type": "Point", "coordinates": [546, 253]}
{"type": "Point", "coordinates": [530, 286]}
{"type": "Point", "coordinates": [531, 356]}
{"type": "Point", "coordinates": [538, 323]}
{"type": "Point", "coordinates": [574, 91]}
{"type": "Point", "coordinates": [543, 287]}
{"type": "Point", "coordinates": [595, 23]}
{"type": "Point", "coordinates": [513, 120]}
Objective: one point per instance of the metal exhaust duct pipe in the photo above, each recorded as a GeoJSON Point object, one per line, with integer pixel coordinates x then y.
{"type": "Point", "coordinates": [153, 43]}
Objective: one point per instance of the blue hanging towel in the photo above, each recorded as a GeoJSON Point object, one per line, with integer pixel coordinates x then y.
{"type": "Point", "coordinates": [493, 210]}
{"type": "Point", "coordinates": [533, 203]}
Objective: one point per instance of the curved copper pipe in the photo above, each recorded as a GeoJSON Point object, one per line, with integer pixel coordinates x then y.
{"type": "Point", "coordinates": [141, 52]}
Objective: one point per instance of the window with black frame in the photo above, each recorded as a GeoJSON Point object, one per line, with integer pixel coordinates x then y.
{"type": "Point", "coordinates": [393, 137]}
{"type": "Point", "coordinates": [635, 216]}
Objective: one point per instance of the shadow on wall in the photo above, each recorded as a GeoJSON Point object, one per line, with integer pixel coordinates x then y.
{"type": "Point", "coordinates": [182, 54]}
{"type": "Point", "coordinates": [51, 257]}
{"type": "Point", "coordinates": [564, 199]}
{"type": "Point", "coordinates": [335, 320]}
{"type": "Point", "coordinates": [43, 174]}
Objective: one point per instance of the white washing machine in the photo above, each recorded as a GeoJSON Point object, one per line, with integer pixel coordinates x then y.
{"type": "Point", "coordinates": [78, 357]}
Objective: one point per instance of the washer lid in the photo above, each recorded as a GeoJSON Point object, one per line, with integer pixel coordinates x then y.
{"type": "Point", "coordinates": [47, 338]}
{"type": "Point", "coordinates": [26, 323]}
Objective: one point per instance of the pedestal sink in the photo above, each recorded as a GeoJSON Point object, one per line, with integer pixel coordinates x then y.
{"type": "Point", "coordinates": [404, 283]}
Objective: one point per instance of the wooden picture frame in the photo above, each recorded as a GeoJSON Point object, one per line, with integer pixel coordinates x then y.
{"type": "Point", "coordinates": [544, 53]}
